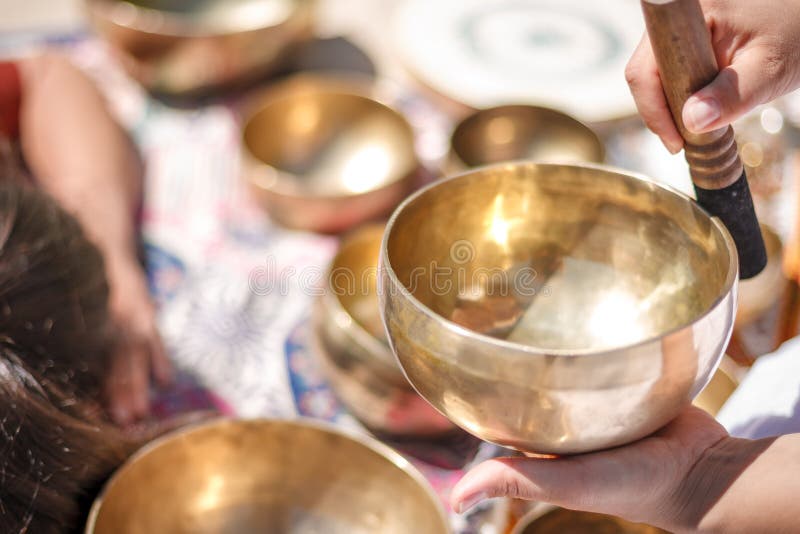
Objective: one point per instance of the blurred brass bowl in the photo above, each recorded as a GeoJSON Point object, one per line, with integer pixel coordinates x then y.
{"type": "Point", "coordinates": [185, 47]}
{"type": "Point", "coordinates": [517, 132]}
{"type": "Point", "coordinates": [561, 520]}
{"type": "Point", "coordinates": [266, 476]}
{"type": "Point", "coordinates": [758, 294]}
{"type": "Point", "coordinates": [557, 308]}
{"type": "Point", "coordinates": [323, 156]}
{"type": "Point", "coordinates": [718, 390]}
{"type": "Point", "coordinates": [352, 346]}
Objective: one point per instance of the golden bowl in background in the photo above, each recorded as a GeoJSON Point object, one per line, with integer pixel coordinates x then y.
{"type": "Point", "coordinates": [266, 476]}
{"type": "Point", "coordinates": [758, 294]}
{"type": "Point", "coordinates": [557, 308]}
{"type": "Point", "coordinates": [322, 155]}
{"type": "Point", "coordinates": [351, 343]}
{"type": "Point", "coordinates": [717, 391]}
{"type": "Point", "coordinates": [550, 520]}
{"type": "Point", "coordinates": [517, 132]}
{"type": "Point", "coordinates": [179, 47]}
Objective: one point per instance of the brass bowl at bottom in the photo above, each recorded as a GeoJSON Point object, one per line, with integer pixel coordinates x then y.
{"type": "Point", "coordinates": [293, 477]}
{"type": "Point", "coordinates": [351, 344]}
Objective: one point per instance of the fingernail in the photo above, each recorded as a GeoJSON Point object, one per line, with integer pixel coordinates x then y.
{"type": "Point", "coordinates": [121, 415]}
{"type": "Point", "coordinates": [469, 502]}
{"type": "Point", "coordinates": [701, 112]}
{"type": "Point", "coordinates": [673, 147]}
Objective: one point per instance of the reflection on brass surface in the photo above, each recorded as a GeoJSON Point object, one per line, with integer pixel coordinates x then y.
{"type": "Point", "coordinates": [180, 47]}
{"type": "Point", "coordinates": [518, 132]}
{"type": "Point", "coordinates": [561, 521]}
{"type": "Point", "coordinates": [322, 156]}
{"type": "Point", "coordinates": [627, 293]}
{"type": "Point", "coordinates": [758, 294]}
{"type": "Point", "coordinates": [352, 346]}
{"type": "Point", "coordinates": [266, 476]}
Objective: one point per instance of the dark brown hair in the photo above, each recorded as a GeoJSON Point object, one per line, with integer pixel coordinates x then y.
{"type": "Point", "coordinates": [55, 343]}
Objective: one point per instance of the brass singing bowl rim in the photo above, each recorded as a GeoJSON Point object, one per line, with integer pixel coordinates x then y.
{"type": "Point", "coordinates": [442, 322]}
{"type": "Point", "coordinates": [507, 110]}
{"type": "Point", "coordinates": [341, 86]}
{"type": "Point", "coordinates": [375, 346]}
{"type": "Point", "coordinates": [176, 24]}
{"type": "Point", "coordinates": [364, 440]}
{"type": "Point", "coordinates": [542, 510]}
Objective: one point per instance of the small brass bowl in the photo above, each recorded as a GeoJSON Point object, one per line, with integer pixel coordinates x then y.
{"type": "Point", "coordinates": [185, 48]}
{"type": "Point", "coordinates": [557, 308]}
{"type": "Point", "coordinates": [321, 155]}
{"type": "Point", "coordinates": [266, 476]}
{"type": "Point", "coordinates": [758, 294]}
{"type": "Point", "coordinates": [549, 520]}
{"type": "Point", "coordinates": [352, 346]}
{"type": "Point", "coordinates": [518, 132]}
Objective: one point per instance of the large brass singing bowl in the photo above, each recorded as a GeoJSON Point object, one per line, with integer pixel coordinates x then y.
{"type": "Point", "coordinates": [179, 47]}
{"type": "Point", "coordinates": [557, 308]}
{"type": "Point", "coordinates": [292, 477]}
{"type": "Point", "coordinates": [322, 155]}
{"type": "Point", "coordinates": [351, 344]}
{"type": "Point", "coordinates": [513, 132]}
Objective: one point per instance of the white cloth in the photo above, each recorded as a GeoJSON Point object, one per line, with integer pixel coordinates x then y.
{"type": "Point", "coordinates": [767, 403]}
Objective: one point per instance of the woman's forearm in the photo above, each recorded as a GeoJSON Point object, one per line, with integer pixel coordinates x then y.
{"type": "Point", "coordinates": [78, 154]}
{"type": "Point", "coordinates": [746, 486]}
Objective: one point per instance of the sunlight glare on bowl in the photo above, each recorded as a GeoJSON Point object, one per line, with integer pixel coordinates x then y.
{"type": "Point", "coordinates": [210, 497]}
{"type": "Point", "coordinates": [615, 319]}
{"type": "Point", "coordinates": [367, 168]}
{"type": "Point", "coordinates": [499, 225]}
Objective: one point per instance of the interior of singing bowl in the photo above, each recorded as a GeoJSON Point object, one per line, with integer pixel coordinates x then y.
{"type": "Point", "coordinates": [329, 143]}
{"type": "Point", "coordinates": [524, 132]}
{"type": "Point", "coordinates": [218, 15]}
{"type": "Point", "coordinates": [353, 278]}
{"type": "Point", "coordinates": [266, 476]}
{"type": "Point", "coordinates": [560, 257]}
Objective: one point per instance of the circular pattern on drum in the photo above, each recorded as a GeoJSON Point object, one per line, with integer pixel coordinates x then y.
{"type": "Point", "coordinates": [565, 54]}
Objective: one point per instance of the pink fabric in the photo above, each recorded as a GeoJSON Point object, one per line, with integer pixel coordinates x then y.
{"type": "Point", "coordinates": [10, 99]}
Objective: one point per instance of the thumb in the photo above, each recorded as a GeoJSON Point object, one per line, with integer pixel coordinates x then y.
{"type": "Point", "coordinates": [750, 80]}
{"type": "Point", "coordinates": [563, 481]}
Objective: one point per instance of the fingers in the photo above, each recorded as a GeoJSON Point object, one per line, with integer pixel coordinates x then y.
{"type": "Point", "coordinates": [749, 81]}
{"type": "Point", "coordinates": [645, 85]}
{"type": "Point", "coordinates": [636, 481]}
{"type": "Point", "coordinates": [519, 478]}
{"type": "Point", "coordinates": [162, 367]}
{"type": "Point", "coordinates": [128, 385]}
{"type": "Point", "coordinates": [592, 482]}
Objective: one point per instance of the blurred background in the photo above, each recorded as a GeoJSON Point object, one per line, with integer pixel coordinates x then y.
{"type": "Point", "coordinates": [270, 129]}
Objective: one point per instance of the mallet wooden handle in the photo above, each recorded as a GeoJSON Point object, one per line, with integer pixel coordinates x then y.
{"type": "Point", "coordinates": [682, 46]}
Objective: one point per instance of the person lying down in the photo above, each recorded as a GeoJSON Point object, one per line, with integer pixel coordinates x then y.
{"type": "Point", "coordinates": [78, 341]}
